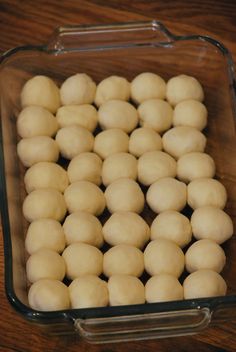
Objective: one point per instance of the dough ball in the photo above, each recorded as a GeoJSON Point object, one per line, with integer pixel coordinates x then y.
{"type": "Point", "coordinates": [85, 167]}
{"type": "Point", "coordinates": [82, 259]}
{"type": "Point", "coordinates": [125, 227]}
{"type": "Point", "coordinates": [183, 87]}
{"type": "Point", "coordinates": [163, 288]}
{"type": "Point", "coordinates": [154, 165]}
{"type": "Point", "coordinates": [41, 91]}
{"type": "Point", "coordinates": [173, 226]}
{"type": "Point", "coordinates": [163, 256]}
{"type": "Point", "coordinates": [206, 191]}
{"type": "Point", "coordinates": [110, 88]}
{"type": "Point", "coordinates": [110, 142]}
{"type": "Point", "coordinates": [44, 203]}
{"type": "Point", "coordinates": [190, 113]}
{"type": "Point", "coordinates": [195, 165]}
{"type": "Point", "coordinates": [35, 149]}
{"type": "Point", "coordinates": [147, 85]}
{"type": "Point", "coordinates": [45, 233]}
{"type": "Point", "coordinates": [83, 227]}
{"type": "Point", "coordinates": [46, 175]}
{"type": "Point", "coordinates": [118, 114]}
{"type": "Point", "coordinates": [119, 165]}
{"type": "Point", "coordinates": [182, 140]}
{"type": "Point", "coordinates": [167, 194]}
{"type": "Point", "coordinates": [124, 194]}
{"type": "Point", "coordinates": [88, 291]}
{"type": "Point", "coordinates": [204, 283]}
{"type": "Point", "coordinates": [144, 140]}
{"type": "Point", "coordinates": [78, 89]}
{"type": "Point", "coordinates": [211, 223]}
{"type": "Point", "coordinates": [49, 295]}
{"type": "Point", "coordinates": [45, 264]}
{"type": "Point", "coordinates": [84, 196]}
{"type": "Point", "coordinates": [125, 290]}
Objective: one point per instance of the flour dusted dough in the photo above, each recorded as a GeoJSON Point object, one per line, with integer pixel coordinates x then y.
{"type": "Point", "coordinates": [163, 288]}
{"type": "Point", "coordinates": [147, 85]}
{"type": "Point", "coordinates": [144, 140]}
{"type": "Point", "coordinates": [110, 142]}
{"type": "Point", "coordinates": [190, 113]}
{"type": "Point", "coordinates": [113, 87]}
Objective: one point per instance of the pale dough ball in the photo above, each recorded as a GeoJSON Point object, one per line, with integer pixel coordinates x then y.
{"type": "Point", "coordinates": [82, 259]}
{"type": "Point", "coordinates": [41, 91]}
{"type": "Point", "coordinates": [113, 87]}
{"type": "Point", "coordinates": [35, 149]}
{"type": "Point", "coordinates": [125, 290]}
{"type": "Point", "coordinates": [163, 288]}
{"type": "Point", "coordinates": [173, 226]}
{"type": "Point", "coordinates": [163, 256]}
{"type": "Point", "coordinates": [147, 85]}
{"type": "Point", "coordinates": [119, 165]}
{"type": "Point", "coordinates": [110, 142]}
{"type": "Point", "coordinates": [183, 87]}
{"type": "Point", "coordinates": [88, 291]}
{"type": "Point", "coordinates": [155, 165]}
{"type": "Point", "coordinates": [190, 113]}
{"type": "Point", "coordinates": [78, 89]}
{"type": "Point", "coordinates": [124, 194]}
{"type": "Point", "coordinates": [84, 196]}
{"type": "Point", "coordinates": [125, 227]}
{"type": "Point", "coordinates": [211, 223]}
{"type": "Point", "coordinates": [144, 140]}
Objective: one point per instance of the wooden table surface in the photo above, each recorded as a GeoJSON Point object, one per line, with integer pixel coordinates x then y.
{"type": "Point", "coordinates": [30, 21]}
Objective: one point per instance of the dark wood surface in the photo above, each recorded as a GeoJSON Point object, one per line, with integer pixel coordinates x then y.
{"type": "Point", "coordinates": [31, 22]}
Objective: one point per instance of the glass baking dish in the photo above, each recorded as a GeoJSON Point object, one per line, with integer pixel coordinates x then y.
{"type": "Point", "coordinates": [125, 49]}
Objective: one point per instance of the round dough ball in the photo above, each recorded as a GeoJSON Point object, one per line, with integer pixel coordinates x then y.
{"type": "Point", "coordinates": [183, 87]}
{"type": "Point", "coordinates": [88, 291]}
{"type": "Point", "coordinates": [190, 113]}
{"type": "Point", "coordinates": [163, 256]}
{"type": "Point", "coordinates": [211, 223]}
{"type": "Point", "coordinates": [204, 283]}
{"type": "Point", "coordinates": [125, 290]}
{"type": "Point", "coordinates": [118, 114]}
{"type": "Point", "coordinates": [110, 88]}
{"type": "Point", "coordinates": [44, 203]}
{"type": "Point", "coordinates": [84, 196]}
{"type": "Point", "coordinates": [173, 226]}
{"type": "Point", "coordinates": [144, 140]}
{"type": "Point", "coordinates": [147, 85]}
{"type": "Point", "coordinates": [35, 149]}
{"type": "Point", "coordinates": [82, 259]}
{"type": "Point", "coordinates": [163, 288]}
{"type": "Point", "coordinates": [41, 91]}
{"type": "Point", "coordinates": [110, 142]}
{"type": "Point", "coordinates": [45, 233]}
{"type": "Point", "coordinates": [78, 89]}
{"type": "Point", "coordinates": [206, 192]}
{"type": "Point", "coordinates": [154, 165]}
{"type": "Point", "coordinates": [125, 227]}
{"type": "Point", "coordinates": [83, 227]}
{"type": "Point", "coordinates": [167, 194]}
{"type": "Point", "coordinates": [124, 194]}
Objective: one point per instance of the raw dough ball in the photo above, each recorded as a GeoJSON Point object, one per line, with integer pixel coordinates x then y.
{"type": "Point", "coordinates": [45, 233]}
{"type": "Point", "coordinates": [173, 226]}
{"type": "Point", "coordinates": [155, 165]}
{"type": "Point", "coordinates": [144, 140]}
{"type": "Point", "coordinates": [162, 288]}
{"type": "Point", "coordinates": [44, 203]}
{"type": "Point", "coordinates": [125, 227]}
{"type": "Point", "coordinates": [82, 259]}
{"type": "Point", "coordinates": [110, 142]}
{"type": "Point", "coordinates": [41, 91]}
{"type": "Point", "coordinates": [190, 113]}
{"type": "Point", "coordinates": [46, 175]}
{"type": "Point", "coordinates": [183, 87]}
{"type": "Point", "coordinates": [45, 264]}
{"type": "Point", "coordinates": [84, 196]}
{"type": "Point", "coordinates": [118, 114]}
{"type": "Point", "coordinates": [85, 167]}
{"type": "Point", "coordinates": [35, 149]}
{"type": "Point", "coordinates": [211, 223]}
{"type": "Point", "coordinates": [78, 89]}
{"type": "Point", "coordinates": [124, 194]}
{"type": "Point", "coordinates": [163, 256]}
{"type": "Point", "coordinates": [113, 87]}
{"type": "Point", "coordinates": [206, 191]}
{"type": "Point", "coordinates": [88, 291]}
{"type": "Point", "coordinates": [83, 227]}
{"type": "Point", "coordinates": [146, 86]}
{"type": "Point", "coordinates": [204, 283]}
{"type": "Point", "coordinates": [125, 290]}
{"type": "Point", "coordinates": [167, 194]}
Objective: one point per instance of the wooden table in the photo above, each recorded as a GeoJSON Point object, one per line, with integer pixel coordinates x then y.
{"type": "Point", "coordinates": [30, 21]}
